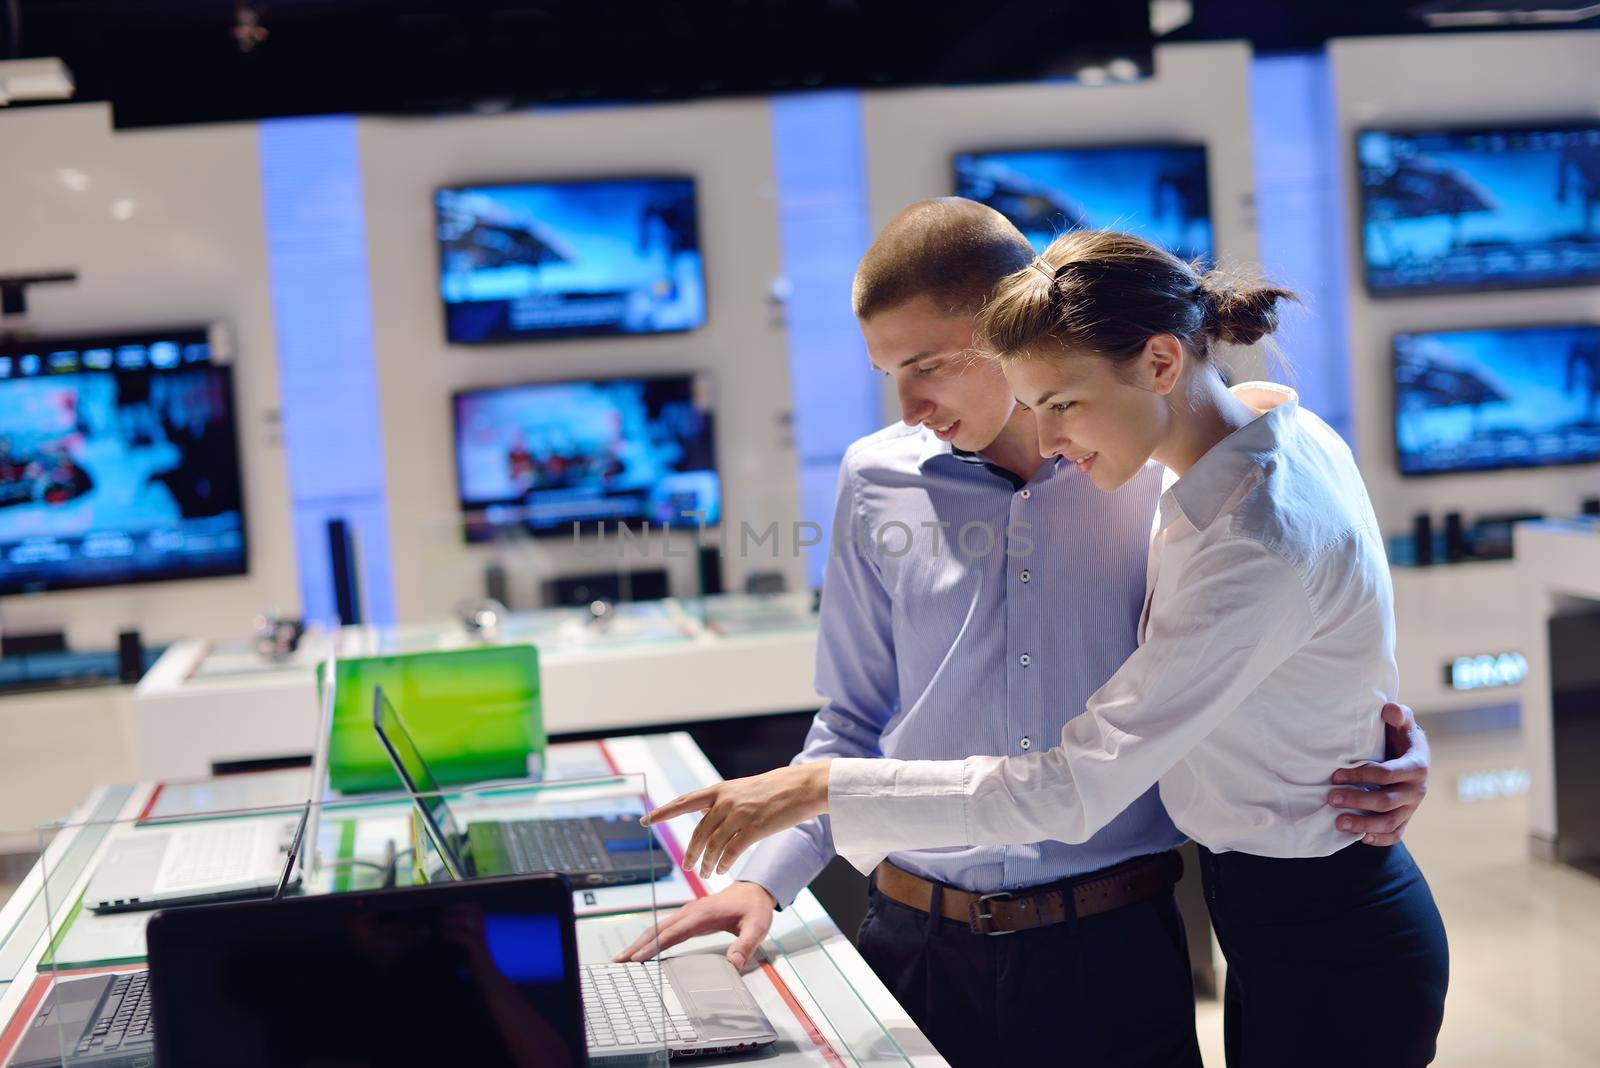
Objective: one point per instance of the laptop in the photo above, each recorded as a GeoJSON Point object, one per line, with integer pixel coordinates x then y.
{"type": "Point", "coordinates": [483, 972]}
{"type": "Point", "coordinates": [589, 850]}
{"type": "Point", "coordinates": [100, 1020]}
{"type": "Point", "coordinates": [221, 860]}
{"type": "Point", "coordinates": [105, 1020]}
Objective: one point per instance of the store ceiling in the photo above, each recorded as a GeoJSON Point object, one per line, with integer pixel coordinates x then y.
{"type": "Point", "coordinates": [180, 61]}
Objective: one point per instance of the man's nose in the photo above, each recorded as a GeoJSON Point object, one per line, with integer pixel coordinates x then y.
{"type": "Point", "coordinates": [1050, 445]}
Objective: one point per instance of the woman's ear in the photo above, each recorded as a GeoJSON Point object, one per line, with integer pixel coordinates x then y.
{"type": "Point", "coordinates": [1162, 363]}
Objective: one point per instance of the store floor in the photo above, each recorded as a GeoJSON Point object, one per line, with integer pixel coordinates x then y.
{"type": "Point", "coordinates": [1524, 935]}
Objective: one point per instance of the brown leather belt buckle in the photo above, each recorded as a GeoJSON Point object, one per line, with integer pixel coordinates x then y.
{"type": "Point", "coordinates": [981, 919]}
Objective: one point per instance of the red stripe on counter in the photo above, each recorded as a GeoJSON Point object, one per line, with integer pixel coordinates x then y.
{"type": "Point", "coordinates": [23, 1017]}
{"type": "Point", "coordinates": [816, 1036]}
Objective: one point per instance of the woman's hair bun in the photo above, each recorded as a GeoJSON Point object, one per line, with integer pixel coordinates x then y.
{"type": "Point", "coordinates": [1107, 293]}
{"type": "Point", "coordinates": [1239, 310]}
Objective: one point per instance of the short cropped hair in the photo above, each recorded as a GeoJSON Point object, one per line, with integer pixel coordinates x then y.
{"type": "Point", "coordinates": [951, 250]}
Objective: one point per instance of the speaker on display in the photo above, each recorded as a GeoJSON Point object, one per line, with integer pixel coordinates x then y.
{"type": "Point", "coordinates": [130, 656]}
{"type": "Point", "coordinates": [1422, 537]}
{"type": "Point", "coordinates": [710, 570]}
{"type": "Point", "coordinates": [494, 583]}
{"type": "Point", "coordinates": [1455, 539]}
{"type": "Point", "coordinates": [646, 585]}
{"type": "Point", "coordinates": [342, 558]}
{"type": "Point", "coordinates": [768, 582]}
{"type": "Point", "coordinates": [48, 641]}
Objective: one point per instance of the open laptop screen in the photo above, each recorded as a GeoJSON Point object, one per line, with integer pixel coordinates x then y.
{"type": "Point", "coordinates": [407, 759]}
{"type": "Point", "coordinates": [481, 973]}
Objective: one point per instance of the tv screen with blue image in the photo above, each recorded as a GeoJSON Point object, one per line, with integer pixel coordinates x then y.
{"type": "Point", "coordinates": [1477, 400]}
{"type": "Point", "coordinates": [119, 462]}
{"type": "Point", "coordinates": [1491, 208]}
{"type": "Point", "coordinates": [550, 259]}
{"type": "Point", "coordinates": [544, 456]}
{"type": "Point", "coordinates": [1159, 191]}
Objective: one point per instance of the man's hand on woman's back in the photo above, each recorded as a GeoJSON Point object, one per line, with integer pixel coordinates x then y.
{"type": "Point", "coordinates": [1386, 796]}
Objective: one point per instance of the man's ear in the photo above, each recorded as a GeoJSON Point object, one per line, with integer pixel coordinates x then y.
{"type": "Point", "coordinates": [1161, 363]}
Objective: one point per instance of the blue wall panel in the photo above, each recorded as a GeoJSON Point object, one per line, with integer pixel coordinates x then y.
{"type": "Point", "coordinates": [322, 310]}
{"type": "Point", "coordinates": [820, 162]}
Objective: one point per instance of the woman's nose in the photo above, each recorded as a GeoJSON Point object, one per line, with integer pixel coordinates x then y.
{"type": "Point", "coordinates": [914, 409]}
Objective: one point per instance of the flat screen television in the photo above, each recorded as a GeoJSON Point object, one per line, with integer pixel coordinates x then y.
{"type": "Point", "coordinates": [544, 456]}
{"type": "Point", "coordinates": [1479, 400]}
{"type": "Point", "coordinates": [1159, 191]}
{"type": "Point", "coordinates": [1485, 208]}
{"type": "Point", "coordinates": [119, 462]}
{"type": "Point", "coordinates": [551, 259]}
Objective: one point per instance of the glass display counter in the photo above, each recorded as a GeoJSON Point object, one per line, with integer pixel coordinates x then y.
{"type": "Point", "coordinates": [823, 1001]}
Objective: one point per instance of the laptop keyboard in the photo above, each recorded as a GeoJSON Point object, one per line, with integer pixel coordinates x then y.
{"type": "Point", "coordinates": [124, 1018]}
{"type": "Point", "coordinates": [202, 857]}
{"type": "Point", "coordinates": [622, 1007]}
{"type": "Point", "coordinates": [553, 845]}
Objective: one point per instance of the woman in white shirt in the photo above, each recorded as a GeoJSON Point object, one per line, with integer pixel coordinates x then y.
{"type": "Point", "coordinates": [1267, 652]}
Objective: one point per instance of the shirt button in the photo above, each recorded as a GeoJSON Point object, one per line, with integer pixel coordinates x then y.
{"type": "Point", "coordinates": [1024, 659]}
{"type": "Point", "coordinates": [1025, 576]}
{"type": "Point", "coordinates": [1026, 743]}
{"type": "Point", "coordinates": [1026, 494]}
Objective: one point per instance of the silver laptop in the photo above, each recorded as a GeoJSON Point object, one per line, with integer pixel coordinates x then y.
{"type": "Point", "coordinates": [190, 864]}
{"type": "Point", "coordinates": [696, 1005]}
{"type": "Point", "coordinates": [149, 869]}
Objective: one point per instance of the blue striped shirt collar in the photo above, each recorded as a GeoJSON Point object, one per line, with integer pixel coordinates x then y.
{"type": "Point", "coordinates": [930, 447]}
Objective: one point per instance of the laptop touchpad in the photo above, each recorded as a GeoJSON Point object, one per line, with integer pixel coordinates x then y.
{"type": "Point", "coordinates": [712, 987]}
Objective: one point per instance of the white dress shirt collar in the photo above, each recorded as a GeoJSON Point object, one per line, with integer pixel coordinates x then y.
{"type": "Point", "coordinates": [1205, 489]}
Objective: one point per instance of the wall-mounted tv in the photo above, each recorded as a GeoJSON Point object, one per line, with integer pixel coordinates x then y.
{"type": "Point", "coordinates": [1484, 208]}
{"type": "Point", "coordinates": [119, 462]}
{"type": "Point", "coordinates": [1478, 400]}
{"type": "Point", "coordinates": [553, 259]}
{"type": "Point", "coordinates": [1159, 191]}
{"type": "Point", "coordinates": [544, 456]}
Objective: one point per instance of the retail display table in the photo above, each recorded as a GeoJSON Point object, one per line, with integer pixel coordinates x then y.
{"type": "Point", "coordinates": [826, 1003]}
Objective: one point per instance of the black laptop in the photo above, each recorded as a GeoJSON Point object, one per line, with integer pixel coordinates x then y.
{"type": "Point", "coordinates": [589, 850]}
{"type": "Point", "coordinates": [482, 973]}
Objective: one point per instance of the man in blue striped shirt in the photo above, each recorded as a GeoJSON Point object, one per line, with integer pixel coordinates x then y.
{"type": "Point", "coordinates": [974, 598]}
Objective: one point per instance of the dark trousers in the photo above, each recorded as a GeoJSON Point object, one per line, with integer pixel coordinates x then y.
{"type": "Point", "coordinates": [1331, 960]}
{"type": "Point", "coordinates": [1107, 991]}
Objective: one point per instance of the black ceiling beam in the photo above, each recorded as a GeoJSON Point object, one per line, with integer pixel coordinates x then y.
{"type": "Point", "coordinates": [175, 61]}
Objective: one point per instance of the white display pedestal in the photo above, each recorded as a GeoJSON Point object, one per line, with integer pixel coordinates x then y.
{"type": "Point", "coordinates": [189, 716]}
{"type": "Point", "coordinates": [1557, 561]}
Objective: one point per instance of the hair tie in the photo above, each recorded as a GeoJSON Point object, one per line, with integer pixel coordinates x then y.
{"type": "Point", "coordinates": [1041, 265]}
